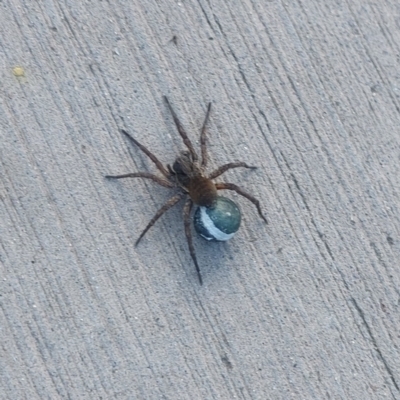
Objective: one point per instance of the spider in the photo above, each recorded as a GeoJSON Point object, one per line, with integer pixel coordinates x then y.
{"type": "Point", "coordinates": [188, 176]}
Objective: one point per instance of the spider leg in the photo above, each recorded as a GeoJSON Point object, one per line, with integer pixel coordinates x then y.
{"type": "Point", "coordinates": [203, 143]}
{"type": "Point", "coordinates": [170, 203]}
{"type": "Point", "coordinates": [182, 132]}
{"type": "Point", "coordinates": [238, 190]}
{"type": "Point", "coordinates": [186, 217]}
{"type": "Point", "coordinates": [225, 168]}
{"type": "Point", "coordinates": [148, 153]}
{"type": "Point", "coordinates": [146, 175]}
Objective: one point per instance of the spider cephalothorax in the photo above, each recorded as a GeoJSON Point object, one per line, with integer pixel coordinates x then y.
{"type": "Point", "coordinates": [217, 218]}
{"type": "Point", "coordinates": [190, 177]}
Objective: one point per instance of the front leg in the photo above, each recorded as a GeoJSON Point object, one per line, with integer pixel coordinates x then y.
{"type": "Point", "coordinates": [238, 190]}
{"type": "Point", "coordinates": [203, 139]}
{"type": "Point", "coordinates": [148, 153]}
{"type": "Point", "coordinates": [181, 131]}
{"type": "Point", "coordinates": [146, 175]}
{"type": "Point", "coordinates": [225, 168]}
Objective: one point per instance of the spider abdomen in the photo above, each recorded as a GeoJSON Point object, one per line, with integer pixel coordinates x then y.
{"type": "Point", "coordinates": [202, 191]}
{"type": "Point", "coordinates": [219, 222]}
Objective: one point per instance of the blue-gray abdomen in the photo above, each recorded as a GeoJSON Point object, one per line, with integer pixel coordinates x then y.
{"type": "Point", "coordinates": [218, 222]}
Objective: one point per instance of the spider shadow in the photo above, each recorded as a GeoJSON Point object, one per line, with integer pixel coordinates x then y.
{"type": "Point", "coordinates": [215, 257]}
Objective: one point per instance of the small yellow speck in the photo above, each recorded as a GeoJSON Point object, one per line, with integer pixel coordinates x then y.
{"type": "Point", "coordinates": [18, 72]}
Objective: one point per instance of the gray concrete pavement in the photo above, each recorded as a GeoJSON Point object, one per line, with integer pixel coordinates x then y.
{"type": "Point", "coordinates": [304, 308]}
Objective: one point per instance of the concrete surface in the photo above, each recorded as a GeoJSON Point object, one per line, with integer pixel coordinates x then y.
{"type": "Point", "coordinates": [304, 308]}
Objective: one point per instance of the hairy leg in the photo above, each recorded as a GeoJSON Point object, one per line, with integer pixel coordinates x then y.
{"type": "Point", "coordinates": [225, 168]}
{"type": "Point", "coordinates": [181, 131]}
{"type": "Point", "coordinates": [146, 175]}
{"type": "Point", "coordinates": [238, 190]}
{"type": "Point", "coordinates": [203, 139]}
{"type": "Point", "coordinates": [170, 203]}
{"type": "Point", "coordinates": [148, 153]}
{"type": "Point", "coordinates": [186, 217]}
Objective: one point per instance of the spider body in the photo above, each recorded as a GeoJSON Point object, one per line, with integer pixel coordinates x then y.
{"type": "Point", "coordinates": [216, 218]}
{"type": "Point", "coordinates": [219, 222]}
{"type": "Point", "coordinates": [202, 191]}
{"type": "Point", "coordinates": [190, 178]}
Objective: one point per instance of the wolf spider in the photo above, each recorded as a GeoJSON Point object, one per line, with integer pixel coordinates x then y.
{"type": "Point", "coordinates": [188, 175]}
